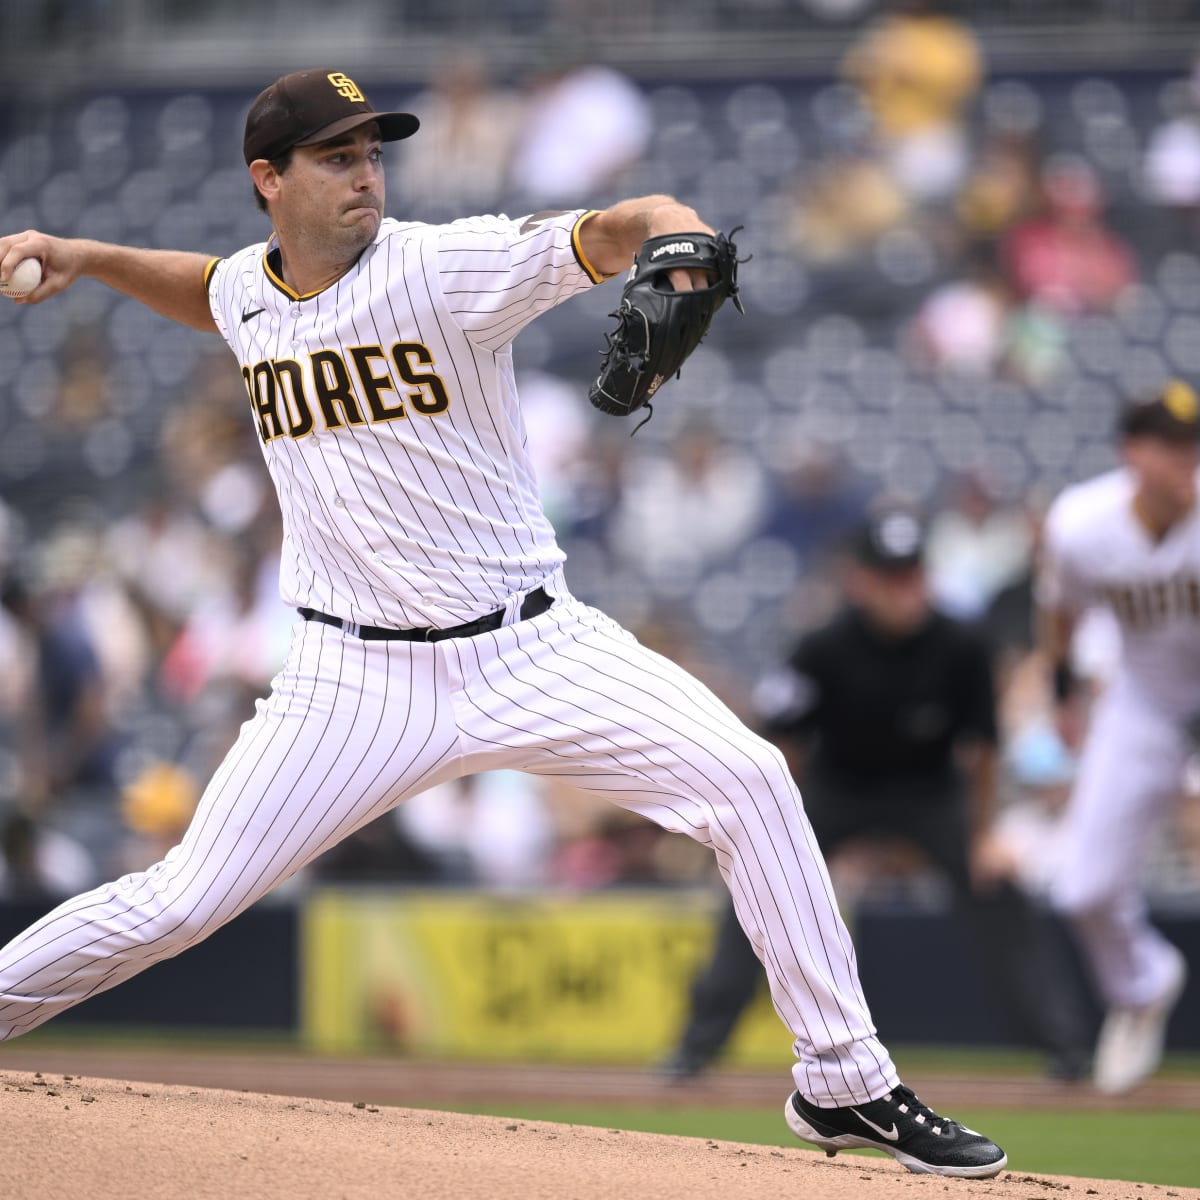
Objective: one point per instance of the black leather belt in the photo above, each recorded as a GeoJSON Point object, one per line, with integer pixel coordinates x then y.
{"type": "Point", "coordinates": [534, 603]}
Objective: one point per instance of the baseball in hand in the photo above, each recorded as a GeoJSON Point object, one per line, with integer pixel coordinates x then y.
{"type": "Point", "coordinates": [26, 275]}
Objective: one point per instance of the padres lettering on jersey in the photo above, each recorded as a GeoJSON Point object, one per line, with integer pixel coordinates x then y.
{"type": "Point", "coordinates": [286, 393]}
{"type": "Point", "coordinates": [1097, 552]}
{"type": "Point", "coordinates": [407, 492]}
{"type": "Point", "coordinates": [1153, 604]}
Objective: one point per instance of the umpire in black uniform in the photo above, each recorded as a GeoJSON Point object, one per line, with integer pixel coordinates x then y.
{"type": "Point", "coordinates": [887, 716]}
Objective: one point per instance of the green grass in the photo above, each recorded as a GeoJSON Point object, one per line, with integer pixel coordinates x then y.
{"type": "Point", "coordinates": [1145, 1146]}
{"type": "Point", "coordinates": [1007, 1060]}
{"type": "Point", "coordinates": [910, 1058]}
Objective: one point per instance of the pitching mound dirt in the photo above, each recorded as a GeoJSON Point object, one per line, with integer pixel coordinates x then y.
{"type": "Point", "coordinates": [108, 1140]}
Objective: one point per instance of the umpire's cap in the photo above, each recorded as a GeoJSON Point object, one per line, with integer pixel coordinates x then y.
{"type": "Point", "coordinates": [307, 107]}
{"type": "Point", "coordinates": [1172, 414]}
{"type": "Point", "coordinates": [892, 539]}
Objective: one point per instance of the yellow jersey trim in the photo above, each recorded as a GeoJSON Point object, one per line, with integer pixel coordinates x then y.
{"type": "Point", "coordinates": [576, 245]}
{"type": "Point", "coordinates": [288, 291]}
{"type": "Point", "coordinates": [212, 265]}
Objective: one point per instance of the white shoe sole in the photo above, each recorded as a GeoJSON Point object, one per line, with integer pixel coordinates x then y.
{"type": "Point", "coordinates": [849, 1141]}
{"type": "Point", "coordinates": [1132, 1041]}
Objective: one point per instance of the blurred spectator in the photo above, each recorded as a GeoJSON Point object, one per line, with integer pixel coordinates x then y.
{"type": "Point", "coordinates": [1171, 166]}
{"type": "Point", "coordinates": [379, 852]}
{"type": "Point", "coordinates": [683, 513]}
{"type": "Point", "coordinates": [558, 434]}
{"type": "Point", "coordinates": [17, 676]}
{"type": "Point", "coordinates": [582, 125]}
{"type": "Point", "coordinates": [1038, 349]}
{"type": "Point", "coordinates": [1065, 258]}
{"type": "Point", "coordinates": [491, 829]}
{"type": "Point", "coordinates": [39, 864]}
{"type": "Point", "coordinates": [156, 806]}
{"type": "Point", "coordinates": [601, 847]}
{"type": "Point", "coordinates": [963, 326]}
{"type": "Point", "coordinates": [1009, 626]}
{"type": "Point", "coordinates": [976, 326]}
{"type": "Point", "coordinates": [976, 547]}
{"type": "Point", "coordinates": [80, 402]}
{"type": "Point", "coordinates": [919, 69]}
{"type": "Point", "coordinates": [171, 564]}
{"type": "Point", "coordinates": [1002, 187]}
{"type": "Point", "coordinates": [813, 503]}
{"type": "Point", "coordinates": [462, 159]}
{"type": "Point", "coordinates": [206, 432]}
{"type": "Point", "coordinates": [619, 850]}
{"type": "Point", "coordinates": [595, 482]}
{"type": "Point", "coordinates": [238, 637]}
{"type": "Point", "coordinates": [73, 742]}
{"type": "Point", "coordinates": [18, 662]}
{"type": "Point", "coordinates": [17, 653]}
{"type": "Point", "coordinates": [841, 206]}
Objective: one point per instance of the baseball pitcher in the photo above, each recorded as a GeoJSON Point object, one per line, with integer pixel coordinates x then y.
{"type": "Point", "coordinates": [435, 635]}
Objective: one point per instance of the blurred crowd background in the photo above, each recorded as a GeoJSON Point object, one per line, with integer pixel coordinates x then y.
{"type": "Point", "coordinates": [973, 233]}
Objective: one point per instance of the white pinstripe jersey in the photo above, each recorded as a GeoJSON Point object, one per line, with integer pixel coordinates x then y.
{"type": "Point", "coordinates": [1097, 551]}
{"type": "Point", "coordinates": [389, 419]}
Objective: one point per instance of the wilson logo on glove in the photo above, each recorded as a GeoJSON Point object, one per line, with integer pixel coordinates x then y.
{"type": "Point", "coordinates": [658, 327]}
{"type": "Point", "coordinates": [674, 248]}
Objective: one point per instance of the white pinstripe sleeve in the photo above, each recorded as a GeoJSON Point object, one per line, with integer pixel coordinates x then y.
{"type": "Point", "coordinates": [226, 281]}
{"type": "Point", "coordinates": [498, 273]}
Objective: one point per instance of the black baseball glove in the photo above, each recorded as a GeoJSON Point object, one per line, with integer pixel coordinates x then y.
{"type": "Point", "coordinates": [658, 327]}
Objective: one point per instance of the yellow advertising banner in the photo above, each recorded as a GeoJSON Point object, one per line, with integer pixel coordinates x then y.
{"type": "Point", "coordinates": [601, 978]}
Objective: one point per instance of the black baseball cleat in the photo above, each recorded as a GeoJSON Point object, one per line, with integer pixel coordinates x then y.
{"type": "Point", "coordinates": [899, 1125]}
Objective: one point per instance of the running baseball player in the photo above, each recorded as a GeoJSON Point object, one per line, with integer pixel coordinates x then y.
{"type": "Point", "coordinates": [1128, 540]}
{"type": "Point", "coordinates": [435, 635]}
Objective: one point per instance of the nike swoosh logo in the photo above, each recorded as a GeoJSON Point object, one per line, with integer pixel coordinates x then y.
{"type": "Point", "coordinates": [892, 1135]}
{"type": "Point", "coordinates": [251, 313]}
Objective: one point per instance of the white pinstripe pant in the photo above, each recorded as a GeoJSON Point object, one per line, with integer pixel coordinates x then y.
{"type": "Point", "coordinates": [1129, 778]}
{"type": "Point", "coordinates": [352, 728]}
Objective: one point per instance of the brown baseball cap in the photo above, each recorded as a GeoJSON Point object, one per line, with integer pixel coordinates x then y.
{"type": "Point", "coordinates": [307, 107]}
{"type": "Point", "coordinates": [1172, 413]}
